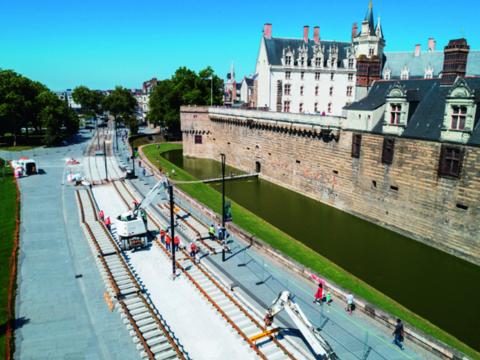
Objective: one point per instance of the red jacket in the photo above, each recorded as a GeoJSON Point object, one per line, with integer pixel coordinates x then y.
{"type": "Point", "coordinates": [319, 293]}
{"type": "Point", "coordinates": [168, 239]}
{"type": "Point", "coordinates": [176, 240]}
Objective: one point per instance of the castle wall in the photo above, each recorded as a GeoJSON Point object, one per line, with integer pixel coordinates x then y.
{"type": "Point", "coordinates": [407, 196]}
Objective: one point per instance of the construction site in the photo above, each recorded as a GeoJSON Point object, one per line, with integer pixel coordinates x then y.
{"type": "Point", "coordinates": [129, 285]}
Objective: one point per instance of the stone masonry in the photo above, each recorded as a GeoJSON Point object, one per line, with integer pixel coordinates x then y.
{"type": "Point", "coordinates": [408, 196]}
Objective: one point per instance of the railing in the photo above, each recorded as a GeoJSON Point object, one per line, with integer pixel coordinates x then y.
{"type": "Point", "coordinates": [323, 121]}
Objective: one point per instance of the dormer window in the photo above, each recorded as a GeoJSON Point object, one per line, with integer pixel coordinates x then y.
{"type": "Point", "coordinates": [302, 62]}
{"type": "Point", "coordinates": [459, 116]}
{"type": "Point", "coordinates": [460, 110]}
{"type": "Point", "coordinates": [288, 60]}
{"type": "Point", "coordinates": [395, 113]}
{"type": "Point", "coordinates": [371, 52]}
{"type": "Point", "coordinates": [350, 63]}
{"type": "Point", "coordinates": [318, 62]}
{"type": "Point", "coordinates": [405, 74]}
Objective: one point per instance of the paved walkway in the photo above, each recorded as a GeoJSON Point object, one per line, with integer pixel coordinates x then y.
{"type": "Point", "coordinates": [261, 280]}
{"type": "Point", "coordinates": [60, 310]}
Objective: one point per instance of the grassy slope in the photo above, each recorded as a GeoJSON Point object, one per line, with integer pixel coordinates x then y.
{"type": "Point", "coordinates": [298, 251]}
{"type": "Point", "coordinates": [7, 229]}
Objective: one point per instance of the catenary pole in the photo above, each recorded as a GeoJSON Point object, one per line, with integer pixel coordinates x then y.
{"type": "Point", "coordinates": [105, 160]}
{"type": "Point", "coordinates": [172, 230]}
{"type": "Point", "coordinates": [223, 207]}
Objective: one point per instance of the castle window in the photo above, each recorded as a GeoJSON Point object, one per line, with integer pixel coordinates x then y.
{"type": "Point", "coordinates": [395, 112]}
{"type": "Point", "coordinates": [316, 90]}
{"type": "Point", "coordinates": [405, 73]}
{"type": "Point", "coordinates": [318, 62]}
{"type": "Point", "coordinates": [198, 139]}
{"type": "Point", "coordinates": [287, 75]}
{"type": "Point", "coordinates": [288, 60]}
{"type": "Point", "coordinates": [356, 145]}
{"type": "Point", "coordinates": [300, 108]}
{"type": "Point", "coordinates": [388, 151]}
{"type": "Point", "coordinates": [349, 90]}
{"type": "Point", "coordinates": [459, 115]}
{"type": "Point", "coordinates": [329, 108]}
{"type": "Point", "coordinates": [330, 92]}
{"type": "Point", "coordinates": [332, 76]}
{"type": "Point", "coordinates": [317, 76]}
{"type": "Point", "coordinates": [301, 90]}
{"type": "Point", "coordinates": [315, 107]}
{"type": "Point", "coordinates": [286, 106]}
{"type": "Point", "coordinates": [350, 77]}
{"type": "Point", "coordinates": [451, 159]}
{"type": "Point", "coordinates": [371, 52]}
{"type": "Point", "coordinates": [287, 89]}
{"type": "Point", "coordinates": [302, 75]}
{"type": "Point", "coordinates": [302, 61]}
{"type": "Point", "coordinates": [350, 63]}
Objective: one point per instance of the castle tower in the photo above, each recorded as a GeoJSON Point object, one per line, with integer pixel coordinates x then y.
{"type": "Point", "coordinates": [368, 45]}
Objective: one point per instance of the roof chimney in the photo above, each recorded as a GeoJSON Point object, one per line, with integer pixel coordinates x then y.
{"type": "Point", "coordinates": [455, 61]}
{"type": "Point", "coordinates": [267, 31]}
{"type": "Point", "coordinates": [431, 44]}
{"type": "Point", "coordinates": [354, 30]}
{"type": "Point", "coordinates": [417, 50]}
{"type": "Point", "coordinates": [316, 35]}
{"type": "Point", "coordinates": [306, 31]}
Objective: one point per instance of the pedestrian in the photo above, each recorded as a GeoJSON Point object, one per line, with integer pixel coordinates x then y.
{"type": "Point", "coordinates": [108, 223]}
{"type": "Point", "coordinates": [135, 204]}
{"type": "Point", "coordinates": [319, 294]}
{"type": "Point", "coordinates": [176, 242]}
{"type": "Point", "coordinates": [168, 240]}
{"type": "Point", "coordinates": [398, 334]}
{"type": "Point", "coordinates": [144, 172]}
{"type": "Point", "coordinates": [101, 215]}
{"type": "Point", "coordinates": [350, 303]}
{"type": "Point", "coordinates": [139, 163]}
{"type": "Point", "coordinates": [211, 232]}
{"type": "Point", "coordinates": [328, 298]}
{"type": "Point", "coordinates": [219, 232]}
{"type": "Point", "coordinates": [162, 235]}
{"type": "Point", "coordinates": [143, 214]}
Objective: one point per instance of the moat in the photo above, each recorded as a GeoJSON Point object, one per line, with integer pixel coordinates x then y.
{"type": "Point", "coordinates": [438, 286]}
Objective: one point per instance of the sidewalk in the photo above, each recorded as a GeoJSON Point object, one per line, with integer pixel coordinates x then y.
{"type": "Point", "coordinates": [259, 278]}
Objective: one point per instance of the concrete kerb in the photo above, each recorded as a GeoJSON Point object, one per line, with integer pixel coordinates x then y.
{"type": "Point", "coordinates": [426, 341]}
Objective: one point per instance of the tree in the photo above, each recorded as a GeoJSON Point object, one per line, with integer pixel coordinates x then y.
{"type": "Point", "coordinates": [90, 100]}
{"type": "Point", "coordinates": [185, 87]}
{"type": "Point", "coordinates": [122, 105]}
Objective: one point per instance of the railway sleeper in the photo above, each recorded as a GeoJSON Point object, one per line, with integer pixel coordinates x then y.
{"type": "Point", "coordinates": [165, 354]}
{"type": "Point", "coordinates": [148, 327]}
{"type": "Point", "coordinates": [157, 340]}
{"type": "Point", "coordinates": [150, 335]}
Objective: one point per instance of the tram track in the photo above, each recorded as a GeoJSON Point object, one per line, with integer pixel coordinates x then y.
{"type": "Point", "coordinates": [244, 322]}
{"type": "Point", "coordinates": [149, 331]}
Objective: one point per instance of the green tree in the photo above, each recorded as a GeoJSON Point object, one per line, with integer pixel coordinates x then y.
{"type": "Point", "coordinates": [122, 104]}
{"type": "Point", "coordinates": [185, 87]}
{"type": "Point", "coordinates": [90, 100]}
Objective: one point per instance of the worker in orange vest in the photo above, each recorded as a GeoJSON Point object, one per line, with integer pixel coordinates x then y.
{"type": "Point", "coordinates": [162, 236]}
{"type": "Point", "coordinates": [168, 240]}
{"type": "Point", "coordinates": [176, 242]}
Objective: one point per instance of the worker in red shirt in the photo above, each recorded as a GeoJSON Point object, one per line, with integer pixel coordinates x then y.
{"type": "Point", "coordinates": [101, 215]}
{"type": "Point", "coordinates": [108, 223]}
{"type": "Point", "coordinates": [168, 240]}
{"type": "Point", "coordinates": [193, 249]}
{"type": "Point", "coordinates": [176, 242]}
{"type": "Point", "coordinates": [162, 236]}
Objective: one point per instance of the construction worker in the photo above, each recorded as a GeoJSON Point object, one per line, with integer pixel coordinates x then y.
{"type": "Point", "coordinates": [135, 204]}
{"type": "Point", "coordinates": [211, 232]}
{"type": "Point", "coordinates": [101, 215]}
{"type": "Point", "coordinates": [108, 223]}
{"type": "Point", "coordinates": [176, 242]}
{"type": "Point", "coordinates": [143, 214]}
{"type": "Point", "coordinates": [162, 235]}
{"type": "Point", "coordinates": [168, 240]}
{"type": "Point", "coordinates": [193, 250]}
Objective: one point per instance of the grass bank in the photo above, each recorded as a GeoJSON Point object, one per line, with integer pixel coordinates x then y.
{"type": "Point", "coordinates": [298, 251]}
{"type": "Point", "coordinates": [8, 211]}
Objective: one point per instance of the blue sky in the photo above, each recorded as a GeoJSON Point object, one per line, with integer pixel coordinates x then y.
{"type": "Point", "coordinates": [103, 43]}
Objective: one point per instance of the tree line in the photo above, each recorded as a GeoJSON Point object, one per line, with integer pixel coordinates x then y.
{"type": "Point", "coordinates": [120, 103]}
{"type": "Point", "coordinates": [29, 108]}
{"type": "Point", "coordinates": [185, 87]}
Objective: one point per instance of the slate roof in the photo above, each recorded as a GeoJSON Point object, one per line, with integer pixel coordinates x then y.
{"type": "Point", "coordinates": [395, 61]}
{"type": "Point", "coordinates": [426, 121]}
{"type": "Point", "coordinates": [275, 48]}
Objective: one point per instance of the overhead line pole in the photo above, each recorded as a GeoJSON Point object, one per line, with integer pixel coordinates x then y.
{"type": "Point", "coordinates": [223, 207]}
{"type": "Point", "coordinates": [172, 230]}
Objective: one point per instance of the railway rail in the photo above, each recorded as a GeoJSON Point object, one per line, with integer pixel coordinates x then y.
{"type": "Point", "coordinates": [149, 331]}
{"type": "Point", "coordinates": [244, 322]}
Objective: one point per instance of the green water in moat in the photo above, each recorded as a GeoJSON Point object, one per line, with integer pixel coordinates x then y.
{"type": "Point", "coordinates": [433, 284]}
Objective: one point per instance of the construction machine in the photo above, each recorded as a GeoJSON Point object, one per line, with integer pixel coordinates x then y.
{"type": "Point", "coordinates": [131, 226]}
{"type": "Point", "coordinates": [317, 342]}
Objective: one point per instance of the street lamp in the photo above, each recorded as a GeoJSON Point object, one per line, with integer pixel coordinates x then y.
{"type": "Point", "coordinates": [172, 229]}
{"type": "Point", "coordinates": [223, 206]}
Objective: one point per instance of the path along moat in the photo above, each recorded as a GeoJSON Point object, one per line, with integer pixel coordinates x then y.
{"type": "Point", "coordinates": [433, 284]}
